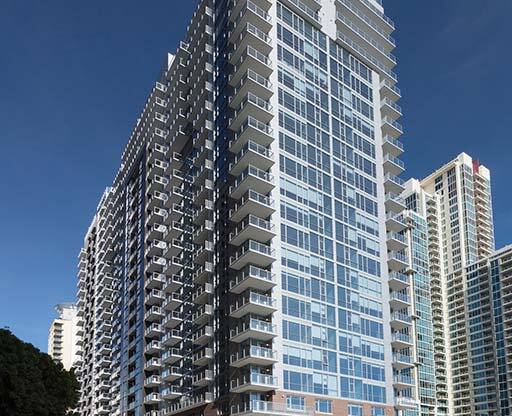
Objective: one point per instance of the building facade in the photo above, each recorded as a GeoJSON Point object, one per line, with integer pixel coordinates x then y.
{"type": "Point", "coordinates": [250, 257]}
{"type": "Point", "coordinates": [62, 336]}
{"type": "Point", "coordinates": [452, 211]}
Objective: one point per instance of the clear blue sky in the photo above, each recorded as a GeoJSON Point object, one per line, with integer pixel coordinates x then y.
{"type": "Point", "coordinates": [74, 76]}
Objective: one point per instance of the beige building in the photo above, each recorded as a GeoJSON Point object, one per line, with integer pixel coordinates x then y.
{"type": "Point", "coordinates": [62, 335]}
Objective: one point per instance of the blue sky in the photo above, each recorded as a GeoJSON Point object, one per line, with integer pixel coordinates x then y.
{"type": "Point", "coordinates": [74, 76]}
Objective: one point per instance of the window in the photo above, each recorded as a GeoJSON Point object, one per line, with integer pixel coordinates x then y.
{"type": "Point", "coordinates": [355, 410]}
{"type": "Point", "coordinates": [377, 411]}
{"type": "Point", "coordinates": [295, 402]}
{"type": "Point", "coordinates": [323, 406]}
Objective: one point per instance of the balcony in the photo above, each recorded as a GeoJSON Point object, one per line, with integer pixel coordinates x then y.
{"type": "Point", "coordinates": [251, 58]}
{"type": "Point", "coordinates": [202, 294]}
{"type": "Point", "coordinates": [253, 329]}
{"type": "Point", "coordinates": [153, 331]}
{"type": "Point", "coordinates": [152, 381]}
{"type": "Point", "coordinates": [394, 203]}
{"type": "Point", "coordinates": [172, 338]}
{"type": "Point", "coordinates": [155, 264]}
{"type": "Point", "coordinates": [171, 392]}
{"type": "Point", "coordinates": [253, 154]}
{"type": "Point", "coordinates": [254, 228]}
{"type": "Point", "coordinates": [153, 364]}
{"type": "Point", "coordinates": [390, 109]}
{"type": "Point", "coordinates": [401, 361]}
{"type": "Point", "coordinates": [171, 374]}
{"type": "Point", "coordinates": [393, 183]}
{"type": "Point", "coordinates": [172, 302]}
{"type": "Point", "coordinates": [202, 315]}
{"type": "Point", "coordinates": [202, 336]}
{"type": "Point", "coordinates": [173, 283]}
{"type": "Point", "coordinates": [203, 273]}
{"type": "Point", "coordinates": [253, 303]}
{"type": "Point", "coordinates": [397, 261]}
{"type": "Point", "coordinates": [202, 379]}
{"type": "Point", "coordinates": [172, 356]}
{"type": "Point", "coordinates": [405, 403]}
{"type": "Point", "coordinates": [154, 314]}
{"type": "Point", "coordinates": [247, 35]}
{"type": "Point", "coordinates": [308, 9]}
{"type": "Point", "coordinates": [403, 382]}
{"type": "Point", "coordinates": [253, 277]}
{"type": "Point", "coordinates": [391, 128]}
{"type": "Point", "coordinates": [395, 222]}
{"type": "Point", "coordinates": [252, 178]}
{"type": "Point", "coordinates": [396, 241]}
{"type": "Point", "coordinates": [252, 82]}
{"type": "Point", "coordinates": [250, 13]}
{"type": "Point", "coordinates": [399, 300]}
{"type": "Point", "coordinates": [398, 281]}
{"type": "Point", "coordinates": [188, 404]}
{"type": "Point", "coordinates": [154, 297]}
{"type": "Point", "coordinates": [254, 355]}
{"type": "Point", "coordinates": [252, 203]}
{"type": "Point", "coordinates": [252, 129]}
{"type": "Point", "coordinates": [265, 408]}
{"type": "Point", "coordinates": [155, 281]}
{"type": "Point", "coordinates": [153, 347]}
{"type": "Point", "coordinates": [400, 320]}
{"type": "Point", "coordinates": [393, 165]}
{"type": "Point", "coordinates": [254, 253]}
{"type": "Point", "coordinates": [172, 320]}
{"type": "Point", "coordinates": [203, 357]}
{"type": "Point", "coordinates": [400, 341]}
{"type": "Point", "coordinates": [254, 382]}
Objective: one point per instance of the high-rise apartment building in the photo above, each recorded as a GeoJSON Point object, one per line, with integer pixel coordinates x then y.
{"type": "Point", "coordinates": [249, 258]}
{"type": "Point", "coordinates": [62, 336]}
{"type": "Point", "coordinates": [451, 211]}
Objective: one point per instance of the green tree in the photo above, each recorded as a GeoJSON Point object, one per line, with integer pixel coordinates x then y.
{"type": "Point", "coordinates": [31, 383]}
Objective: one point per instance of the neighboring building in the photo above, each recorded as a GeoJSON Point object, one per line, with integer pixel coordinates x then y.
{"type": "Point", "coordinates": [247, 259]}
{"type": "Point", "coordinates": [480, 316]}
{"type": "Point", "coordinates": [453, 212]}
{"type": "Point", "coordinates": [62, 336]}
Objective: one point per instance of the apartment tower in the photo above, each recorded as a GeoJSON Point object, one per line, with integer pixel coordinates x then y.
{"type": "Point", "coordinates": [62, 336]}
{"type": "Point", "coordinates": [248, 258]}
{"type": "Point", "coordinates": [455, 202]}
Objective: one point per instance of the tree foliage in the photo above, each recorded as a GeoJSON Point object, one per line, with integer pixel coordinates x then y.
{"type": "Point", "coordinates": [31, 383]}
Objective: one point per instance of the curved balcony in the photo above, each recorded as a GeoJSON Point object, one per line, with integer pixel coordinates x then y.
{"type": "Point", "coordinates": [252, 178]}
{"type": "Point", "coordinates": [254, 228]}
{"type": "Point", "coordinates": [253, 329]}
{"type": "Point", "coordinates": [253, 303]}
{"type": "Point", "coordinates": [254, 253]}
{"type": "Point", "coordinates": [254, 355]}
{"type": "Point", "coordinates": [252, 203]}
{"type": "Point", "coordinates": [254, 382]}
